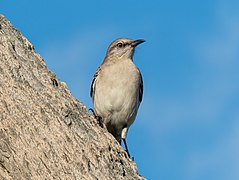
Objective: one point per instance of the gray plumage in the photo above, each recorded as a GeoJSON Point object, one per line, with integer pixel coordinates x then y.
{"type": "Point", "coordinates": [117, 88]}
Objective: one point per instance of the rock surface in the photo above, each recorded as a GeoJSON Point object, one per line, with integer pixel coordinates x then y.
{"type": "Point", "coordinates": [45, 133]}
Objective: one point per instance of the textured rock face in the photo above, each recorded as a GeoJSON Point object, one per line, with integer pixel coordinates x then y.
{"type": "Point", "coordinates": [45, 133]}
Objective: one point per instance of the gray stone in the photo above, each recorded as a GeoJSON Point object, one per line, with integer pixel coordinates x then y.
{"type": "Point", "coordinates": [45, 133]}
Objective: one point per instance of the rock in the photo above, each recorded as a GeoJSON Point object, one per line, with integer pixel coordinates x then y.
{"type": "Point", "coordinates": [45, 133]}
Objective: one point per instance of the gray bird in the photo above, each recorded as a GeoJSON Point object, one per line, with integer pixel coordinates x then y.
{"type": "Point", "coordinates": [117, 88]}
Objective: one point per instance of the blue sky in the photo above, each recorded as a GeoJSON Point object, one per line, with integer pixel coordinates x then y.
{"type": "Point", "coordinates": [187, 127]}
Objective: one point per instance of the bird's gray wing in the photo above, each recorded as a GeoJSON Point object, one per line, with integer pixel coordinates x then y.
{"type": "Point", "coordinates": [141, 88]}
{"type": "Point", "coordinates": [92, 89]}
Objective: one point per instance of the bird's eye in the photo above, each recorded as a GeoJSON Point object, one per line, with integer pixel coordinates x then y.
{"type": "Point", "coordinates": [120, 45]}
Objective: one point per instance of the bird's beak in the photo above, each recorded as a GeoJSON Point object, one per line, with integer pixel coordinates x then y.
{"type": "Point", "coordinates": [137, 42]}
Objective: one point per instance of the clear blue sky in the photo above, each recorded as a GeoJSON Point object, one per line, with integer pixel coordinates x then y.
{"type": "Point", "coordinates": [188, 123]}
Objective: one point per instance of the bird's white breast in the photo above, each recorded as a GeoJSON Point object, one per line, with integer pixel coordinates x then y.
{"type": "Point", "coordinates": [117, 91]}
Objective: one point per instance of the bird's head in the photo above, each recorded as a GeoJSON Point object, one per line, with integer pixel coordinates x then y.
{"type": "Point", "coordinates": [123, 48]}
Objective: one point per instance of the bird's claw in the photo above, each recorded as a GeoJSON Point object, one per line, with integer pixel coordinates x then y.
{"type": "Point", "coordinates": [98, 118]}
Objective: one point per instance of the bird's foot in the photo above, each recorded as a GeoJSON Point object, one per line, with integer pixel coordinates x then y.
{"type": "Point", "coordinates": [127, 155]}
{"type": "Point", "coordinates": [98, 118]}
{"type": "Point", "coordinates": [126, 149]}
{"type": "Point", "coordinates": [93, 112]}
{"type": "Point", "coordinates": [100, 121]}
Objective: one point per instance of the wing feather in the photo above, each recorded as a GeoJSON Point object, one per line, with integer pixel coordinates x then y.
{"type": "Point", "coordinates": [141, 88]}
{"type": "Point", "coordinates": [92, 89]}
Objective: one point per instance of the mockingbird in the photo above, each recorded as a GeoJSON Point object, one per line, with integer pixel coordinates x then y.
{"type": "Point", "coordinates": [117, 88]}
